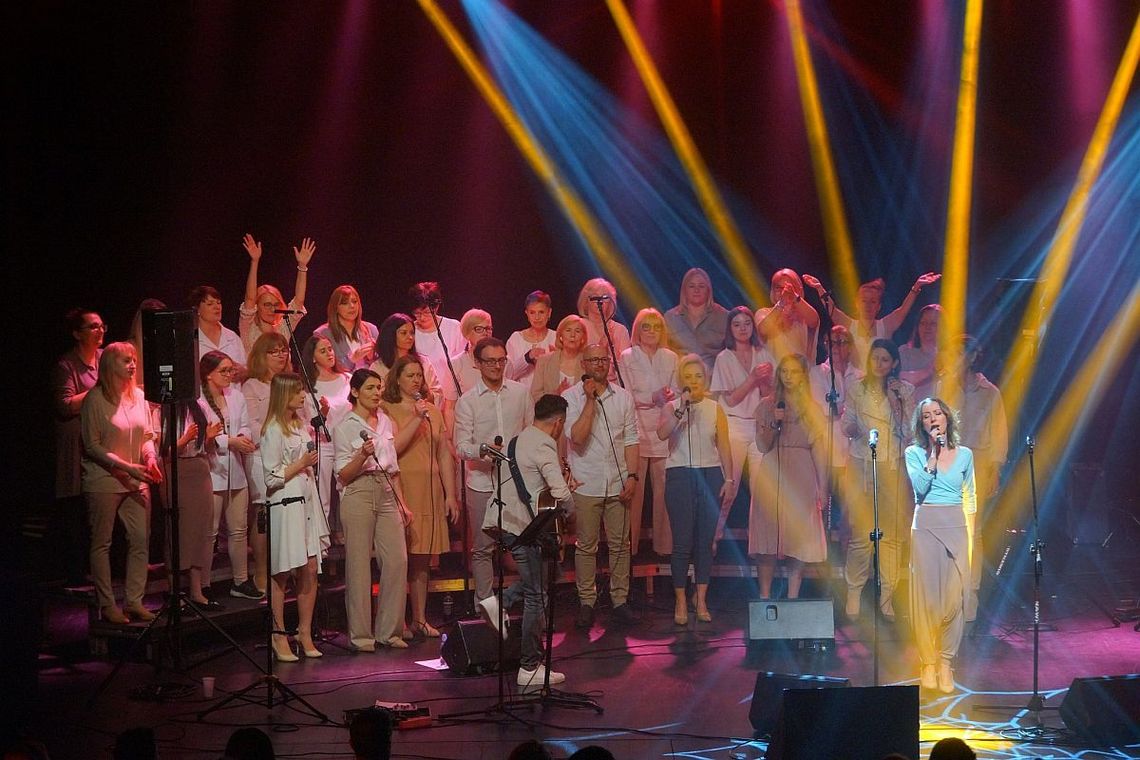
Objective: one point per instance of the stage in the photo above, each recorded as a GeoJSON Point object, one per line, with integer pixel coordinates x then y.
{"type": "Point", "coordinates": [666, 691]}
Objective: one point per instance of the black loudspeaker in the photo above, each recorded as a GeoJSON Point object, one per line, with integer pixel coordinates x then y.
{"type": "Point", "coordinates": [472, 647]}
{"type": "Point", "coordinates": [866, 723]}
{"type": "Point", "coordinates": [769, 692]}
{"type": "Point", "coordinates": [1105, 709]}
{"type": "Point", "coordinates": [791, 619]}
{"type": "Point", "coordinates": [170, 356]}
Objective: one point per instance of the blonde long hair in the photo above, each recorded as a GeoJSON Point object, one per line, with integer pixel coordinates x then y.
{"type": "Point", "coordinates": [285, 385]}
{"type": "Point", "coordinates": [106, 363]}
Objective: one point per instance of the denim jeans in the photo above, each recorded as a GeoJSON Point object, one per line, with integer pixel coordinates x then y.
{"type": "Point", "coordinates": [529, 589]}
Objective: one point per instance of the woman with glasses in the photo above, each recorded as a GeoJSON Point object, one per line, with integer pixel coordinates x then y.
{"type": "Point", "coordinates": [597, 304]}
{"type": "Point", "coordinates": [650, 372]}
{"type": "Point", "coordinates": [268, 358]}
{"type": "Point", "coordinates": [259, 313]}
{"type": "Point", "coordinates": [475, 325]}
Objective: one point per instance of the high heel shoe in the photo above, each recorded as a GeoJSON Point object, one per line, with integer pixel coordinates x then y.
{"type": "Point", "coordinates": [309, 649]}
{"type": "Point", "coordinates": [704, 617]}
{"type": "Point", "coordinates": [114, 615]}
{"type": "Point", "coordinates": [425, 629]}
{"type": "Point", "coordinates": [287, 655]}
{"type": "Point", "coordinates": [682, 618]}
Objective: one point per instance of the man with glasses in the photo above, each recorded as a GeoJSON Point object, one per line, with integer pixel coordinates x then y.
{"type": "Point", "coordinates": [602, 432]}
{"type": "Point", "coordinates": [74, 374]}
{"type": "Point", "coordinates": [493, 411]}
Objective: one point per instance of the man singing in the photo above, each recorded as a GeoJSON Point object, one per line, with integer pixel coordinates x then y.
{"type": "Point", "coordinates": [536, 458]}
{"type": "Point", "coordinates": [603, 448]}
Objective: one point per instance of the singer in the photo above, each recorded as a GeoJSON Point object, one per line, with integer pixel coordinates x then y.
{"type": "Point", "coordinates": [883, 402]}
{"type": "Point", "coordinates": [299, 534]}
{"type": "Point", "coordinates": [495, 409]}
{"type": "Point", "coordinates": [261, 311]}
{"type": "Point", "coordinates": [374, 516]}
{"type": "Point", "coordinates": [942, 473]}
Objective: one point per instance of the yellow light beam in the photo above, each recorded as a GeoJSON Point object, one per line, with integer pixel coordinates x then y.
{"type": "Point", "coordinates": [1075, 408]}
{"type": "Point", "coordinates": [740, 259]}
{"type": "Point", "coordinates": [575, 209]}
{"type": "Point", "coordinates": [1046, 292]}
{"type": "Point", "coordinates": [955, 261]}
{"type": "Point", "coordinates": [835, 229]}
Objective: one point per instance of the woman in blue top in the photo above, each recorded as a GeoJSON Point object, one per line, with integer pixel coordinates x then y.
{"type": "Point", "coordinates": [942, 474]}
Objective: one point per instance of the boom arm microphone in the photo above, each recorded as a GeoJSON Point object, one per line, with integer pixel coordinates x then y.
{"type": "Point", "coordinates": [288, 311]}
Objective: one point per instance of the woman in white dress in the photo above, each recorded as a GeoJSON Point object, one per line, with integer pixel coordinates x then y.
{"type": "Point", "coordinates": [790, 325]}
{"type": "Point", "coordinates": [650, 371]}
{"type": "Point", "coordinates": [297, 527]}
{"type": "Point", "coordinates": [330, 383]}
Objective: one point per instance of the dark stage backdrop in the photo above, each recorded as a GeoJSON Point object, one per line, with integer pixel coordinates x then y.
{"type": "Point", "coordinates": [142, 140]}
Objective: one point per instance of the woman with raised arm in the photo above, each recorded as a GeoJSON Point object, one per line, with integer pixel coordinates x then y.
{"type": "Point", "coordinates": [697, 323]}
{"type": "Point", "coordinates": [259, 312]}
{"type": "Point", "coordinates": [119, 466]}
{"type": "Point", "coordinates": [561, 368]}
{"type": "Point", "coordinates": [650, 371]}
{"type": "Point", "coordinates": [427, 474]}
{"type": "Point", "coordinates": [882, 402]}
{"type": "Point", "coordinates": [698, 489]}
{"type": "Point", "coordinates": [526, 347]}
{"type": "Point", "coordinates": [942, 474]}
{"type": "Point", "coordinates": [790, 325]}
{"type": "Point", "coordinates": [741, 376]}
{"type": "Point", "coordinates": [300, 535]}
{"type": "Point", "coordinates": [374, 514]}
{"type": "Point", "coordinates": [791, 432]}
{"type": "Point", "coordinates": [206, 302]}
{"type": "Point", "coordinates": [226, 405]}
{"type": "Point", "coordinates": [346, 328]}
{"type": "Point", "coordinates": [918, 354]}
{"type": "Point", "coordinates": [398, 338]}
{"type": "Point", "coordinates": [597, 305]}
{"type": "Point", "coordinates": [268, 358]}
{"type": "Point", "coordinates": [868, 325]}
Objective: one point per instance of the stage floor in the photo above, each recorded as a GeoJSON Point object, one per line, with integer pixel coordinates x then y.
{"type": "Point", "coordinates": [666, 691]}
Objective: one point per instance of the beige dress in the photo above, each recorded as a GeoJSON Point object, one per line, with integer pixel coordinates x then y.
{"type": "Point", "coordinates": [421, 481]}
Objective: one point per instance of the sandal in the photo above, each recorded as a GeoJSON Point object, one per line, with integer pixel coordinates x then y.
{"type": "Point", "coordinates": [425, 629]}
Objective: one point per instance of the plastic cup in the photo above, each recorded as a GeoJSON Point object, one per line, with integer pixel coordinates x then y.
{"type": "Point", "coordinates": [207, 686]}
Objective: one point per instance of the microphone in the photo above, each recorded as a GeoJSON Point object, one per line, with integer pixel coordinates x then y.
{"type": "Point", "coordinates": [586, 378]}
{"type": "Point", "coordinates": [491, 451]}
{"type": "Point", "coordinates": [599, 299]}
{"type": "Point", "coordinates": [417, 396]}
{"type": "Point", "coordinates": [873, 438]}
{"type": "Point", "coordinates": [365, 437]}
{"type": "Point", "coordinates": [310, 446]}
{"type": "Point", "coordinates": [779, 423]}
{"type": "Point", "coordinates": [288, 311]}
{"type": "Point", "coordinates": [939, 438]}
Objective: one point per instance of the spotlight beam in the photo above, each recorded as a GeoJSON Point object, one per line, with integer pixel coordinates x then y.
{"type": "Point", "coordinates": [955, 262]}
{"type": "Point", "coordinates": [1054, 270]}
{"type": "Point", "coordinates": [576, 211]}
{"type": "Point", "coordinates": [732, 242]}
{"type": "Point", "coordinates": [836, 231]}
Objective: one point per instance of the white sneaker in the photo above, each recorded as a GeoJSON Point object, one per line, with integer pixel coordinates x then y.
{"type": "Point", "coordinates": [489, 608]}
{"type": "Point", "coordinates": [531, 680]}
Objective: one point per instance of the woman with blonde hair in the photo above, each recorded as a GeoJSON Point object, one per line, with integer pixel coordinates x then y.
{"type": "Point", "coordinates": [346, 328]}
{"type": "Point", "coordinates": [697, 323]}
{"type": "Point", "coordinates": [119, 466]}
{"type": "Point", "coordinates": [650, 371]}
{"type": "Point", "coordinates": [599, 316]}
{"type": "Point", "coordinates": [259, 313]}
{"type": "Point", "coordinates": [299, 534]}
{"type": "Point", "coordinates": [790, 325]}
{"type": "Point", "coordinates": [560, 369]}
{"type": "Point", "coordinates": [427, 473]}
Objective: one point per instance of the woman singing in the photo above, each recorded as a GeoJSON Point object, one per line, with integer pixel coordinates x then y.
{"type": "Point", "coordinates": [787, 521]}
{"type": "Point", "coordinates": [374, 516]}
{"type": "Point", "coordinates": [119, 465]}
{"type": "Point", "coordinates": [698, 491]}
{"type": "Point", "coordinates": [428, 477]}
{"type": "Point", "coordinates": [298, 531]}
{"type": "Point", "coordinates": [561, 368]}
{"type": "Point", "coordinates": [350, 334]}
{"type": "Point", "coordinates": [526, 347]}
{"type": "Point", "coordinates": [942, 474]}
{"type": "Point", "coordinates": [882, 402]}
{"type": "Point", "coordinates": [260, 312]}
{"type": "Point", "coordinates": [398, 338]}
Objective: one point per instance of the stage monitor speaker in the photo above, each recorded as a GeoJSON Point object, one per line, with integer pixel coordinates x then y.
{"type": "Point", "coordinates": [864, 723]}
{"type": "Point", "coordinates": [472, 647]}
{"type": "Point", "coordinates": [769, 693]}
{"type": "Point", "coordinates": [791, 619]}
{"type": "Point", "coordinates": [1105, 709]}
{"type": "Point", "coordinates": [170, 356]}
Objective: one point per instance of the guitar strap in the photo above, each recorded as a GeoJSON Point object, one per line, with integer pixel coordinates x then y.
{"type": "Point", "coordinates": [516, 476]}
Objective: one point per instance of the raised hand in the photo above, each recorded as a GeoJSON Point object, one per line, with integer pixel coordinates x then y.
{"type": "Point", "coordinates": [252, 247]}
{"type": "Point", "coordinates": [305, 252]}
{"type": "Point", "coordinates": [927, 279]}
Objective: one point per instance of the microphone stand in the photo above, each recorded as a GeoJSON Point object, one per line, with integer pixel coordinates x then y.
{"type": "Point", "coordinates": [832, 398]}
{"type": "Point", "coordinates": [468, 602]}
{"type": "Point", "coordinates": [609, 339]}
{"type": "Point", "coordinates": [876, 534]}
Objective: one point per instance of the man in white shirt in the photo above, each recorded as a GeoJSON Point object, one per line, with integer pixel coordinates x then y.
{"type": "Point", "coordinates": [536, 457]}
{"type": "Point", "coordinates": [493, 411]}
{"type": "Point", "coordinates": [602, 433]}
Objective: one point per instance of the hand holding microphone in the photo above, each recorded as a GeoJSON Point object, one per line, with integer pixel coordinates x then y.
{"type": "Point", "coordinates": [686, 402]}
{"type": "Point", "coordinates": [421, 405]}
{"type": "Point", "coordinates": [495, 451]}
{"type": "Point", "coordinates": [938, 436]}
{"type": "Point", "coordinates": [310, 456]}
{"type": "Point", "coordinates": [589, 386]}
{"type": "Point", "coordinates": [369, 446]}
{"type": "Point", "coordinates": [780, 414]}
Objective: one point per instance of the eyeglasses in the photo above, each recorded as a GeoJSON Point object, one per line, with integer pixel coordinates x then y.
{"type": "Point", "coordinates": [278, 352]}
{"type": "Point", "coordinates": [98, 326]}
{"type": "Point", "coordinates": [481, 329]}
{"type": "Point", "coordinates": [596, 360]}
{"type": "Point", "coordinates": [494, 362]}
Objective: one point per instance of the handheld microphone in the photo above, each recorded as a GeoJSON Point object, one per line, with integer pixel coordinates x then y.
{"type": "Point", "coordinates": [487, 450]}
{"type": "Point", "coordinates": [873, 438]}
{"type": "Point", "coordinates": [288, 311]}
{"type": "Point", "coordinates": [939, 438]}
{"type": "Point", "coordinates": [780, 423]}
{"type": "Point", "coordinates": [417, 396]}
{"type": "Point", "coordinates": [365, 437]}
{"type": "Point", "coordinates": [586, 378]}
{"type": "Point", "coordinates": [310, 446]}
